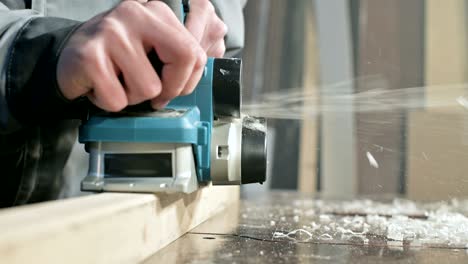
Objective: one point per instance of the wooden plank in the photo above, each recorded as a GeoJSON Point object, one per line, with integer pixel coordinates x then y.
{"type": "Point", "coordinates": [437, 156]}
{"type": "Point", "coordinates": [338, 176]}
{"type": "Point", "coordinates": [309, 130]}
{"type": "Point", "coordinates": [446, 42]}
{"type": "Point", "coordinates": [105, 228]}
{"type": "Point", "coordinates": [437, 138]}
{"type": "Point", "coordinates": [377, 130]}
{"type": "Point", "coordinates": [390, 51]}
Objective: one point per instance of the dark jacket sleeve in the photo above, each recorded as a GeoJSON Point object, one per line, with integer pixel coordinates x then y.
{"type": "Point", "coordinates": [29, 50]}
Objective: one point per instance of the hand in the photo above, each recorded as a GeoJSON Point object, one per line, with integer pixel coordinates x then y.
{"type": "Point", "coordinates": [116, 44]}
{"type": "Point", "coordinates": [207, 27]}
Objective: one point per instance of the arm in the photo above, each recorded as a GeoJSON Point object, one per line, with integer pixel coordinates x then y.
{"type": "Point", "coordinates": [47, 63]}
{"type": "Point", "coordinates": [29, 45]}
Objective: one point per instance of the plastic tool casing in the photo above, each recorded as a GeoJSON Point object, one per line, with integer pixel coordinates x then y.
{"type": "Point", "coordinates": [188, 120]}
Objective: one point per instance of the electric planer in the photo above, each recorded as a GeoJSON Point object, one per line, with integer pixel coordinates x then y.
{"type": "Point", "coordinates": [195, 140]}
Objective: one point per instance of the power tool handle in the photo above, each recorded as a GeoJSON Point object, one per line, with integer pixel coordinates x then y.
{"type": "Point", "coordinates": [180, 8]}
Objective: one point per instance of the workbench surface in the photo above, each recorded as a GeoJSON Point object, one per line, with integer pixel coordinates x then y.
{"type": "Point", "coordinates": [287, 227]}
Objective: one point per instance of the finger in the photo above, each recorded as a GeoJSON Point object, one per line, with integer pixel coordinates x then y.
{"type": "Point", "coordinates": [197, 19]}
{"type": "Point", "coordinates": [139, 1]}
{"type": "Point", "coordinates": [164, 31]}
{"type": "Point", "coordinates": [177, 49]}
{"type": "Point", "coordinates": [217, 50]}
{"type": "Point", "coordinates": [190, 74]}
{"type": "Point", "coordinates": [163, 13]}
{"type": "Point", "coordinates": [108, 93]}
{"type": "Point", "coordinates": [216, 31]}
{"type": "Point", "coordinates": [141, 81]}
{"type": "Point", "coordinates": [198, 70]}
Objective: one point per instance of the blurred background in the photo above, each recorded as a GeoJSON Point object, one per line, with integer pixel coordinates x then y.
{"type": "Point", "coordinates": [369, 96]}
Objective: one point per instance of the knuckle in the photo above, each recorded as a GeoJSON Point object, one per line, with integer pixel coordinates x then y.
{"type": "Point", "coordinates": [201, 61]}
{"type": "Point", "coordinates": [115, 104]}
{"type": "Point", "coordinates": [219, 53]}
{"type": "Point", "coordinates": [159, 7]}
{"type": "Point", "coordinates": [207, 6]}
{"type": "Point", "coordinates": [163, 7]}
{"type": "Point", "coordinates": [221, 26]}
{"type": "Point", "coordinates": [169, 94]}
{"type": "Point", "coordinates": [218, 30]}
{"type": "Point", "coordinates": [129, 8]}
{"type": "Point", "coordinates": [96, 68]}
{"type": "Point", "coordinates": [139, 92]}
{"type": "Point", "coordinates": [110, 26]}
{"type": "Point", "coordinates": [189, 51]}
{"type": "Point", "coordinates": [219, 50]}
{"type": "Point", "coordinates": [109, 101]}
{"type": "Point", "coordinates": [115, 34]}
{"type": "Point", "coordinates": [87, 54]}
{"type": "Point", "coordinates": [124, 46]}
{"type": "Point", "coordinates": [158, 4]}
{"type": "Point", "coordinates": [133, 100]}
{"type": "Point", "coordinates": [151, 92]}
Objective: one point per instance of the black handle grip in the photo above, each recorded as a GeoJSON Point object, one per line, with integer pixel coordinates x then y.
{"type": "Point", "coordinates": [178, 8]}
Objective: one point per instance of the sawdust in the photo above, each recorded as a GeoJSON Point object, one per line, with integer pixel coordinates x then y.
{"type": "Point", "coordinates": [294, 103]}
{"type": "Point", "coordinates": [401, 222]}
{"type": "Point", "coordinates": [298, 234]}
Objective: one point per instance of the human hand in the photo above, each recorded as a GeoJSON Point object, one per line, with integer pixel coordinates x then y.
{"type": "Point", "coordinates": [116, 44]}
{"type": "Point", "coordinates": [207, 27]}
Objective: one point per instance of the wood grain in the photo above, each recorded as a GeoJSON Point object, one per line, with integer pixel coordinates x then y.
{"type": "Point", "coordinates": [437, 136]}
{"type": "Point", "coordinates": [105, 228]}
{"type": "Point", "coordinates": [309, 129]}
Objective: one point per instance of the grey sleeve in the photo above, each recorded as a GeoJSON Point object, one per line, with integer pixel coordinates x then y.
{"type": "Point", "coordinates": [231, 12]}
{"type": "Point", "coordinates": [29, 49]}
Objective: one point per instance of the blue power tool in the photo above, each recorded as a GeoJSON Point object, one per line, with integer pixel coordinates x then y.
{"type": "Point", "coordinates": [197, 139]}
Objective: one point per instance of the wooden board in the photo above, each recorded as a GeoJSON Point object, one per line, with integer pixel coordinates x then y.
{"type": "Point", "coordinates": [309, 130]}
{"type": "Point", "coordinates": [437, 137]}
{"type": "Point", "coordinates": [390, 52]}
{"type": "Point", "coordinates": [105, 228]}
{"type": "Point", "coordinates": [337, 144]}
{"type": "Point", "coordinates": [437, 156]}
